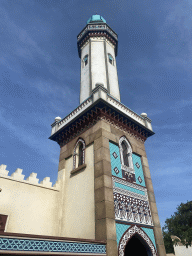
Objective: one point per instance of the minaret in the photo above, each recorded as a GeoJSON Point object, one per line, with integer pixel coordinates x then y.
{"type": "Point", "coordinates": [107, 192]}
{"type": "Point", "coordinates": [97, 47]}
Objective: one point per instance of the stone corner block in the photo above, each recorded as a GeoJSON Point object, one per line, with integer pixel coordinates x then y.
{"type": "Point", "coordinates": [112, 247]}
{"type": "Point", "coordinates": [103, 181]}
{"type": "Point", "coordinates": [102, 167]}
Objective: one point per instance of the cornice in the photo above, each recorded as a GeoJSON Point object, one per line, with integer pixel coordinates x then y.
{"type": "Point", "coordinates": [90, 118]}
{"type": "Point", "coordinates": [96, 30]}
{"type": "Point", "coordinates": [100, 106]}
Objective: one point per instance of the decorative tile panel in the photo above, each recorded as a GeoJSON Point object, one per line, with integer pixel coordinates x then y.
{"type": "Point", "coordinates": [120, 230]}
{"type": "Point", "coordinates": [150, 234]}
{"type": "Point", "coordinates": [115, 155]}
{"type": "Point", "coordinates": [137, 165]}
{"type": "Point", "coordinates": [129, 189]}
{"type": "Point", "coordinates": [137, 191]}
{"type": "Point", "coordinates": [116, 170]}
{"type": "Point", "coordinates": [15, 244]}
{"type": "Point", "coordinates": [140, 180]}
{"type": "Point", "coordinates": [131, 209]}
{"type": "Point", "coordinates": [138, 170]}
{"type": "Point", "coordinates": [128, 176]}
{"type": "Point", "coordinates": [115, 162]}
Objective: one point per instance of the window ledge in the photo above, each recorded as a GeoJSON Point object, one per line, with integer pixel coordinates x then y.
{"type": "Point", "coordinates": [83, 166]}
{"type": "Point", "coordinates": [127, 169]}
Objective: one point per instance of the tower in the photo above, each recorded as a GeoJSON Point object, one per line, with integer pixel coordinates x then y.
{"type": "Point", "coordinates": [107, 192]}
{"type": "Point", "coordinates": [97, 47]}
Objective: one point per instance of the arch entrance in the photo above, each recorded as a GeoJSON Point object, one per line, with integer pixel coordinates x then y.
{"type": "Point", "coordinates": [136, 246]}
{"type": "Point", "coordinates": [135, 242]}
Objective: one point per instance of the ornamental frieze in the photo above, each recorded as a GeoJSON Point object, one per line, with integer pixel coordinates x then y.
{"type": "Point", "coordinates": [132, 209]}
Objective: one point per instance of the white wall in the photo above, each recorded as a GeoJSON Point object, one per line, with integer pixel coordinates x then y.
{"type": "Point", "coordinates": [182, 250]}
{"type": "Point", "coordinates": [112, 72]}
{"type": "Point", "coordinates": [85, 75]}
{"type": "Point", "coordinates": [79, 206]}
{"type": "Point", "coordinates": [98, 68]}
{"type": "Point", "coordinates": [31, 209]}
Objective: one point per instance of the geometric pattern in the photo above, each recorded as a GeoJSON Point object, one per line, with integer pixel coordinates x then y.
{"type": "Point", "coordinates": [126, 187]}
{"type": "Point", "coordinates": [50, 246]}
{"type": "Point", "coordinates": [130, 209]}
{"type": "Point", "coordinates": [115, 162]}
{"type": "Point", "coordinates": [115, 155]}
{"type": "Point", "coordinates": [127, 236]}
{"type": "Point", "coordinates": [116, 170]}
{"type": "Point", "coordinates": [130, 189]}
{"type": "Point", "coordinates": [138, 170]}
{"type": "Point", "coordinates": [120, 230]}
{"type": "Point", "coordinates": [139, 179]}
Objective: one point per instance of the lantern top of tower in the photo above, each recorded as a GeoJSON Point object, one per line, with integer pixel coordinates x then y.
{"type": "Point", "coordinates": [96, 18]}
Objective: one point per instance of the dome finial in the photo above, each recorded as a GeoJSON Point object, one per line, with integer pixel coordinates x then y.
{"type": "Point", "coordinates": [96, 18]}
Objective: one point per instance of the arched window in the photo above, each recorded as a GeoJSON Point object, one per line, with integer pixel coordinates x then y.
{"type": "Point", "coordinates": [125, 158]}
{"type": "Point", "coordinates": [79, 153]}
{"type": "Point", "coordinates": [126, 154]}
{"type": "Point", "coordinates": [111, 60]}
{"type": "Point", "coordinates": [85, 60]}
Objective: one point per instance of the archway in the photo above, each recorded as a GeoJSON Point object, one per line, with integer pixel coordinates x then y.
{"type": "Point", "coordinates": [136, 246]}
{"type": "Point", "coordinates": [138, 239]}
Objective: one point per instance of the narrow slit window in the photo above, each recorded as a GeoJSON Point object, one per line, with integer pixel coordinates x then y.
{"type": "Point", "coordinates": [80, 154]}
{"type": "Point", "coordinates": [125, 155]}
{"type": "Point", "coordinates": [110, 59]}
{"type": "Point", "coordinates": [85, 60]}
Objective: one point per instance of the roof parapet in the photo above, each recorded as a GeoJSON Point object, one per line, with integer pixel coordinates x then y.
{"type": "Point", "coordinates": [32, 179]}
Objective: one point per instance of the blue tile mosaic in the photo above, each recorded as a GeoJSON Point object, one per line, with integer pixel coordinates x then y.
{"type": "Point", "coordinates": [150, 234]}
{"type": "Point", "coordinates": [129, 188]}
{"type": "Point", "coordinates": [115, 162]}
{"type": "Point", "coordinates": [138, 170]}
{"type": "Point", "coordinates": [120, 229]}
{"type": "Point", "coordinates": [15, 244]}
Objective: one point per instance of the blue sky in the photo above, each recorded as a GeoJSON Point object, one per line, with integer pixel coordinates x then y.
{"type": "Point", "coordinates": [40, 79]}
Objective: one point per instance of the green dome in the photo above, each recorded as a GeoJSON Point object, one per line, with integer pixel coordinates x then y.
{"type": "Point", "coordinates": [96, 18]}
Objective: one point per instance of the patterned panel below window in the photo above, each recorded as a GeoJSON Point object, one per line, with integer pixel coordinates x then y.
{"type": "Point", "coordinates": [139, 179]}
{"type": "Point", "coordinates": [130, 177]}
{"type": "Point", "coordinates": [115, 155]}
{"type": "Point", "coordinates": [137, 165]}
{"type": "Point", "coordinates": [131, 209]}
{"type": "Point", "coordinates": [116, 170]}
{"type": "Point", "coordinates": [14, 244]}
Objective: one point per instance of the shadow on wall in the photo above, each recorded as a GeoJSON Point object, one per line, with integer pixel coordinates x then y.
{"type": "Point", "coordinates": [180, 249]}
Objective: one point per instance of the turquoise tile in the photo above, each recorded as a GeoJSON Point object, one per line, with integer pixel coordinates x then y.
{"type": "Point", "coordinates": [138, 171]}
{"type": "Point", "coordinates": [129, 188]}
{"type": "Point", "coordinates": [115, 162]}
{"type": "Point", "coordinates": [120, 229]}
{"type": "Point", "coordinates": [150, 234]}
